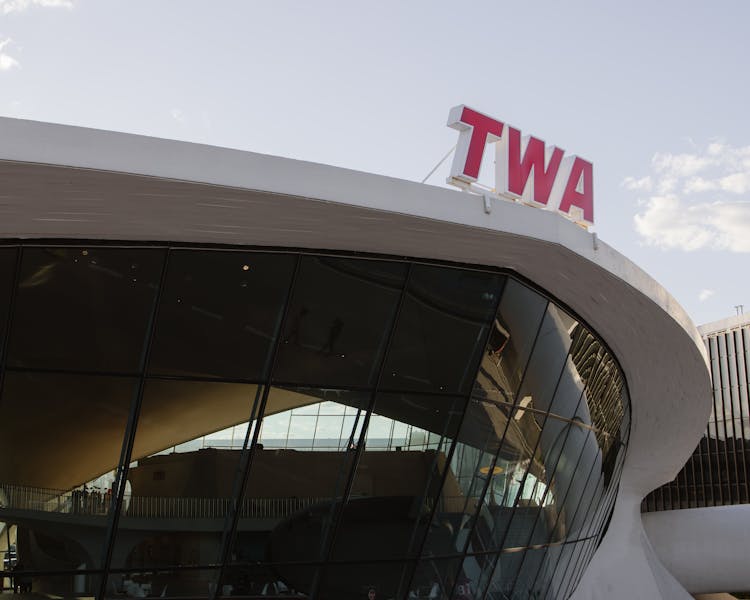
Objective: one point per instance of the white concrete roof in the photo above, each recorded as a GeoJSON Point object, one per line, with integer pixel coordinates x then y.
{"type": "Point", "coordinates": [727, 324]}
{"type": "Point", "coordinates": [69, 182]}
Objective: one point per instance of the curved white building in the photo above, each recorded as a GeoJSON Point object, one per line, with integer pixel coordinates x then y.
{"type": "Point", "coordinates": [429, 399]}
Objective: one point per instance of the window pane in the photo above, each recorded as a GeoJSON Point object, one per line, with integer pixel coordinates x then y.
{"type": "Point", "coordinates": [219, 313]}
{"type": "Point", "coordinates": [7, 269]}
{"type": "Point", "coordinates": [605, 405]}
{"type": "Point", "coordinates": [472, 468]}
{"type": "Point", "coordinates": [82, 419]}
{"type": "Point", "coordinates": [258, 581]}
{"type": "Point", "coordinates": [441, 329]}
{"type": "Point", "coordinates": [339, 318]}
{"type": "Point", "coordinates": [577, 482]}
{"type": "Point", "coordinates": [491, 455]}
{"type": "Point", "coordinates": [163, 583]}
{"type": "Point", "coordinates": [361, 580]}
{"type": "Point", "coordinates": [436, 578]}
{"type": "Point", "coordinates": [524, 458]}
{"type": "Point", "coordinates": [513, 334]}
{"type": "Point", "coordinates": [84, 308]}
{"type": "Point", "coordinates": [513, 575]}
{"type": "Point", "coordinates": [294, 490]}
{"type": "Point", "coordinates": [180, 474]}
{"type": "Point", "coordinates": [60, 438]}
{"type": "Point", "coordinates": [400, 479]}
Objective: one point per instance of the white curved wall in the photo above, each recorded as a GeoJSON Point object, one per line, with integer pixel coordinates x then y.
{"type": "Point", "coordinates": [625, 566]}
{"type": "Point", "coordinates": [706, 549]}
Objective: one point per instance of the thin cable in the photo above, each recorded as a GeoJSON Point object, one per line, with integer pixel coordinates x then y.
{"type": "Point", "coordinates": [437, 166]}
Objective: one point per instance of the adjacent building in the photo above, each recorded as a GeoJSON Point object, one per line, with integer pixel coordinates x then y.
{"type": "Point", "coordinates": [705, 547]}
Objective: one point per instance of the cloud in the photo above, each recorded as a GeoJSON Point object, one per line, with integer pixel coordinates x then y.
{"type": "Point", "coordinates": [698, 185]}
{"type": "Point", "coordinates": [7, 62]}
{"type": "Point", "coordinates": [10, 6]}
{"type": "Point", "coordinates": [705, 295]}
{"type": "Point", "coordinates": [679, 165]}
{"type": "Point", "coordinates": [736, 183]}
{"type": "Point", "coordinates": [696, 200]}
{"type": "Point", "coordinates": [668, 222]}
{"type": "Point", "coordinates": [637, 185]}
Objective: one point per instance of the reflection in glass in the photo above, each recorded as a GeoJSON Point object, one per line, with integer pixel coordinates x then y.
{"type": "Point", "coordinates": [399, 481]}
{"type": "Point", "coordinates": [179, 493]}
{"type": "Point", "coordinates": [527, 455]}
{"type": "Point", "coordinates": [515, 574]}
{"type": "Point", "coordinates": [8, 258]}
{"type": "Point", "coordinates": [185, 582]}
{"type": "Point", "coordinates": [436, 578]}
{"type": "Point", "coordinates": [58, 433]}
{"type": "Point", "coordinates": [482, 463]}
{"type": "Point", "coordinates": [84, 308]}
{"type": "Point", "coordinates": [512, 338]}
{"type": "Point", "coordinates": [257, 581]}
{"type": "Point", "coordinates": [83, 418]}
{"type": "Point", "coordinates": [339, 316]}
{"type": "Point", "coordinates": [443, 322]}
{"type": "Point", "coordinates": [219, 313]}
{"type": "Point", "coordinates": [368, 581]}
{"type": "Point", "coordinates": [295, 489]}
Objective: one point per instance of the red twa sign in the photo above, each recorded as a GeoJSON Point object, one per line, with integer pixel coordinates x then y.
{"type": "Point", "coordinates": [525, 168]}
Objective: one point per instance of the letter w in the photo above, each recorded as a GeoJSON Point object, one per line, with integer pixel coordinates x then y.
{"type": "Point", "coordinates": [515, 169]}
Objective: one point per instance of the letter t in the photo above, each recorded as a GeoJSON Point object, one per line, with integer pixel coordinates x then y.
{"type": "Point", "coordinates": [475, 130]}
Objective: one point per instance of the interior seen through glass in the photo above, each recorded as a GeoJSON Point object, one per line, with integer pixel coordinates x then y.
{"type": "Point", "coordinates": [228, 422]}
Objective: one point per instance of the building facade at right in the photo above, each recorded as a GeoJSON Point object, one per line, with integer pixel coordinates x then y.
{"type": "Point", "coordinates": [717, 472]}
{"type": "Point", "coordinates": [699, 523]}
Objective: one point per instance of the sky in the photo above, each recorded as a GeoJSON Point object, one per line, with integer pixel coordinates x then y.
{"type": "Point", "coordinates": [655, 94]}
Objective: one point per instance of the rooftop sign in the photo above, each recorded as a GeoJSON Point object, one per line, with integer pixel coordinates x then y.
{"type": "Point", "coordinates": [526, 169]}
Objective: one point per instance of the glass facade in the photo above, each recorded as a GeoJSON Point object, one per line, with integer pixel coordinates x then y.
{"type": "Point", "coordinates": [215, 422]}
{"type": "Point", "coordinates": [717, 472]}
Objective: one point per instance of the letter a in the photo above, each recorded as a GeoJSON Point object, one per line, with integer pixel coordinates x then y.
{"type": "Point", "coordinates": [579, 191]}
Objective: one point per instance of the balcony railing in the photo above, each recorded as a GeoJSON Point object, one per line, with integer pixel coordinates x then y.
{"type": "Point", "coordinates": [94, 503]}
{"type": "Point", "coordinates": [97, 504]}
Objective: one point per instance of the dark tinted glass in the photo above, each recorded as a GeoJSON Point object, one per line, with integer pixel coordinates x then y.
{"type": "Point", "coordinates": [84, 308]}
{"type": "Point", "coordinates": [551, 575]}
{"type": "Point", "coordinates": [514, 331]}
{"type": "Point", "coordinates": [520, 489]}
{"type": "Point", "coordinates": [255, 580]}
{"type": "Point", "coordinates": [541, 388]}
{"type": "Point", "coordinates": [362, 580]}
{"type": "Point", "coordinates": [7, 271]}
{"type": "Point", "coordinates": [475, 470]}
{"type": "Point", "coordinates": [338, 322]}
{"type": "Point", "coordinates": [299, 477]}
{"type": "Point", "coordinates": [399, 476]}
{"type": "Point", "coordinates": [60, 439]}
{"type": "Point", "coordinates": [513, 575]}
{"type": "Point", "coordinates": [559, 449]}
{"type": "Point", "coordinates": [441, 329]}
{"type": "Point", "coordinates": [453, 486]}
{"type": "Point", "coordinates": [219, 313]}
{"type": "Point", "coordinates": [437, 577]}
{"type": "Point", "coordinates": [604, 407]}
{"type": "Point", "coordinates": [82, 419]}
{"type": "Point", "coordinates": [493, 454]}
{"type": "Point", "coordinates": [182, 582]}
{"type": "Point", "coordinates": [183, 472]}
